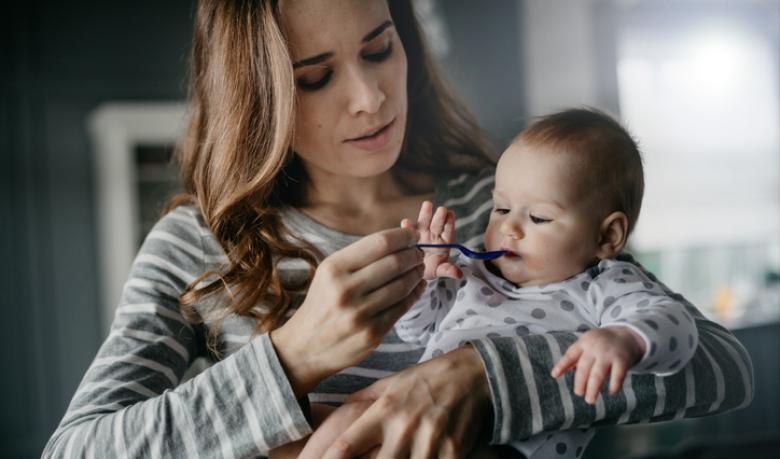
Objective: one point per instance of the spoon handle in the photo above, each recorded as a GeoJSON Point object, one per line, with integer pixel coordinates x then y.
{"type": "Point", "coordinates": [465, 251]}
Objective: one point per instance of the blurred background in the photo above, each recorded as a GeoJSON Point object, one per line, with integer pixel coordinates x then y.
{"type": "Point", "coordinates": [92, 100]}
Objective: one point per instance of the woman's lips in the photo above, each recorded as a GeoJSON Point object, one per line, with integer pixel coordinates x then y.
{"type": "Point", "coordinates": [374, 141]}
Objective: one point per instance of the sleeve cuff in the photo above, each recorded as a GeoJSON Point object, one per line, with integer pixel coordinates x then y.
{"type": "Point", "coordinates": [639, 331]}
{"type": "Point", "coordinates": [491, 360]}
{"type": "Point", "coordinates": [291, 413]}
{"type": "Point", "coordinates": [654, 361]}
{"type": "Point", "coordinates": [517, 370]}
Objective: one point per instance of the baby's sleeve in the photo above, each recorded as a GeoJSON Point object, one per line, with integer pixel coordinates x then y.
{"type": "Point", "coordinates": [625, 296]}
{"type": "Point", "coordinates": [425, 315]}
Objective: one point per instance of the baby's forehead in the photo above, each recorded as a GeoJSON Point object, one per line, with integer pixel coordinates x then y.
{"type": "Point", "coordinates": [527, 170]}
{"type": "Point", "coordinates": [520, 160]}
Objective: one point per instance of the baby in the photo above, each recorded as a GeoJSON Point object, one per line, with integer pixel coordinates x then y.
{"type": "Point", "coordinates": [567, 194]}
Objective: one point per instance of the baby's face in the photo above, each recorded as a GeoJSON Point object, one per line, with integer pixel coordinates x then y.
{"type": "Point", "coordinates": [548, 227]}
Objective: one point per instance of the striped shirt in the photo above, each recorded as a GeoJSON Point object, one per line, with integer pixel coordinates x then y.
{"type": "Point", "coordinates": [133, 401]}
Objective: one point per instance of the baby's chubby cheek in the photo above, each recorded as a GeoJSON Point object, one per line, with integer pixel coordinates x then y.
{"type": "Point", "coordinates": [525, 270]}
{"type": "Point", "coordinates": [511, 269]}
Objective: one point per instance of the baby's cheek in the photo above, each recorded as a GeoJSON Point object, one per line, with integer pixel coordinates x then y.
{"type": "Point", "coordinates": [490, 239]}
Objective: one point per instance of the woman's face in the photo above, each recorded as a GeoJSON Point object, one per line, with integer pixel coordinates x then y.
{"type": "Point", "coordinates": [350, 72]}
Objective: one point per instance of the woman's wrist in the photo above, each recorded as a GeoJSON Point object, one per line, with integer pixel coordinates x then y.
{"type": "Point", "coordinates": [302, 374]}
{"type": "Point", "coordinates": [468, 364]}
{"type": "Point", "coordinates": [481, 391]}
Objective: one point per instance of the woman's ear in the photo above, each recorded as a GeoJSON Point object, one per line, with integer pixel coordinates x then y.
{"type": "Point", "coordinates": [613, 234]}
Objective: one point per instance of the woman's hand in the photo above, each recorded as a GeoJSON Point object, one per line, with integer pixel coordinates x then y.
{"type": "Point", "coordinates": [356, 295]}
{"type": "Point", "coordinates": [434, 409]}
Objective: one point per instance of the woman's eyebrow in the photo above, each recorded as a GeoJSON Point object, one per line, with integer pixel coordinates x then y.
{"type": "Point", "coordinates": [312, 60]}
{"type": "Point", "coordinates": [370, 35]}
{"type": "Point", "coordinates": [319, 58]}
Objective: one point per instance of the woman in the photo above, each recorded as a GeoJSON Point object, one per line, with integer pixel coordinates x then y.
{"type": "Point", "coordinates": [316, 126]}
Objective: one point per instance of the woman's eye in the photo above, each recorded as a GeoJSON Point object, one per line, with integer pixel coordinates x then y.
{"type": "Point", "coordinates": [379, 56]}
{"type": "Point", "coordinates": [539, 220]}
{"type": "Point", "coordinates": [315, 80]}
{"type": "Point", "coordinates": [501, 211]}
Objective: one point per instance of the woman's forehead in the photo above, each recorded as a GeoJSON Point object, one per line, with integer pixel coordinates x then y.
{"type": "Point", "coordinates": [321, 26]}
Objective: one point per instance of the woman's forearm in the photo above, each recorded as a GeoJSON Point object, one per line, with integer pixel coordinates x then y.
{"type": "Point", "coordinates": [129, 405]}
{"type": "Point", "coordinates": [526, 400]}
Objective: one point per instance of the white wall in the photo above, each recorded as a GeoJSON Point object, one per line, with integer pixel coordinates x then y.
{"type": "Point", "coordinates": [560, 57]}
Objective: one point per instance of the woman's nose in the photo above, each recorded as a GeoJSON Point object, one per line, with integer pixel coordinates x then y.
{"type": "Point", "coordinates": [365, 96]}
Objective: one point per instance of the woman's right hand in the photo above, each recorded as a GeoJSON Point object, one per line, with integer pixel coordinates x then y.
{"type": "Point", "coordinates": [355, 297]}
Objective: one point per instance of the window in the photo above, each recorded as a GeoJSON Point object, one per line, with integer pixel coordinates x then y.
{"type": "Point", "coordinates": [698, 85]}
{"type": "Point", "coordinates": [132, 144]}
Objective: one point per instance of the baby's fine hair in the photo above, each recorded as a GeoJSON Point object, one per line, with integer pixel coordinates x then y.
{"type": "Point", "coordinates": [605, 158]}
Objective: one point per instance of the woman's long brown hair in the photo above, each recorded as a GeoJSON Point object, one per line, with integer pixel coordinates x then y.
{"type": "Point", "coordinates": [236, 160]}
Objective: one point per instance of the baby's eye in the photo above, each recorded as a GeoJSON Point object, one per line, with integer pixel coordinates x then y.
{"type": "Point", "coordinates": [539, 220]}
{"type": "Point", "coordinates": [501, 211]}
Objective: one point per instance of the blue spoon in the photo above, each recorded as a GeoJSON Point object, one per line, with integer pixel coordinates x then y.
{"type": "Point", "coordinates": [465, 251]}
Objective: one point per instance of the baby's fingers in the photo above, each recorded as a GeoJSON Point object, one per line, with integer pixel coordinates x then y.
{"type": "Point", "coordinates": [567, 362]}
{"type": "Point", "coordinates": [448, 270]}
{"type": "Point", "coordinates": [598, 374]}
{"type": "Point", "coordinates": [438, 222]}
{"type": "Point", "coordinates": [424, 219]}
{"type": "Point", "coordinates": [581, 376]}
{"type": "Point", "coordinates": [449, 228]}
{"type": "Point", "coordinates": [617, 377]}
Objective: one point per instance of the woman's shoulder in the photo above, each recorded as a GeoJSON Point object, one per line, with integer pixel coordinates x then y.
{"type": "Point", "coordinates": [460, 187]}
{"type": "Point", "coordinates": [183, 228]}
{"type": "Point", "coordinates": [183, 221]}
{"type": "Point", "coordinates": [469, 195]}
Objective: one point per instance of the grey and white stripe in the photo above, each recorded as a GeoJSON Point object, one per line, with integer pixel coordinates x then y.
{"type": "Point", "coordinates": [132, 401]}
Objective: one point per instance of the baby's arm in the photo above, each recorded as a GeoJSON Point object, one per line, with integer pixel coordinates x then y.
{"type": "Point", "coordinates": [599, 353]}
{"type": "Point", "coordinates": [419, 322]}
{"type": "Point", "coordinates": [654, 332]}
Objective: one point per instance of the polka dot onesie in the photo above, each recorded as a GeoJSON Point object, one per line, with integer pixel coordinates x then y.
{"type": "Point", "coordinates": [613, 293]}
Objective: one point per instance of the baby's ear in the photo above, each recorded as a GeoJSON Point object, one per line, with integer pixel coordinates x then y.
{"type": "Point", "coordinates": [613, 234]}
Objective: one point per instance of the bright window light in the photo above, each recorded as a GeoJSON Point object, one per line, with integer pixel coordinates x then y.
{"type": "Point", "coordinates": [704, 103]}
{"type": "Point", "coordinates": [700, 92]}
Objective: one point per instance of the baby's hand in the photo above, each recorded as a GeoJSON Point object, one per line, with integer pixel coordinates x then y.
{"type": "Point", "coordinates": [438, 228]}
{"type": "Point", "coordinates": [608, 351]}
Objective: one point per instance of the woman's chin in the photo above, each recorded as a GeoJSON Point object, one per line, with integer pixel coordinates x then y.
{"type": "Point", "coordinates": [372, 166]}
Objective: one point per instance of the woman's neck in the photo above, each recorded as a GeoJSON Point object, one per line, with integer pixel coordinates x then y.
{"type": "Point", "coordinates": [363, 205]}
{"type": "Point", "coordinates": [351, 195]}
